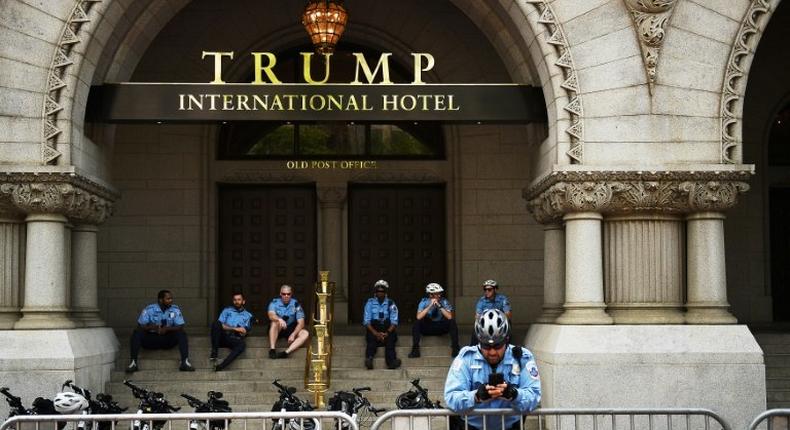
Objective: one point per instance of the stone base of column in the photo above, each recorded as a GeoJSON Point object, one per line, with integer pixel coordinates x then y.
{"type": "Point", "coordinates": [88, 318]}
{"type": "Point", "coordinates": [584, 314]}
{"type": "Point", "coordinates": [37, 362]}
{"type": "Point", "coordinates": [646, 314]}
{"type": "Point", "coordinates": [630, 366]}
{"type": "Point", "coordinates": [550, 314]}
{"type": "Point", "coordinates": [714, 313]}
{"type": "Point", "coordinates": [34, 319]}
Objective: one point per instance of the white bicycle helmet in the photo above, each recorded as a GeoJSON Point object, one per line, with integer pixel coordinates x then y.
{"type": "Point", "coordinates": [67, 403]}
{"type": "Point", "coordinates": [381, 283]}
{"type": "Point", "coordinates": [492, 328]}
{"type": "Point", "coordinates": [433, 288]}
{"type": "Point", "coordinates": [490, 283]}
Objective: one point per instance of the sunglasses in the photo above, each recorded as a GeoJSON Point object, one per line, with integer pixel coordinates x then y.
{"type": "Point", "coordinates": [488, 289]}
{"type": "Point", "coordinates": [285, 294]}
{"type": "Point", "coordinates": [495, 346]}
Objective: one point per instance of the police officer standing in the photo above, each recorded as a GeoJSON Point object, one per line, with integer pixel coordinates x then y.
{"type": "Point", "coordinates": [287, 321]}
{"type": "Point", "coordinates": [381, 320]}
{"type": "Point", "coordinates": [435, 317]}
{"type": "Point", "coordinates": [492, 375]}
{"type": "Point", "coordinates": [160, 326]}
{"type": "Point", "coordinates": [490, 299]}
{"type": "Point", "coordinates": [230, 330]}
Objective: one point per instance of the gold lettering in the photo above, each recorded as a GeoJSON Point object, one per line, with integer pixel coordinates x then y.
{"type": "Point", "coordinates": [320, 98]}
{"type": "Point", "coordinates": [277, 103]}
{"type": "Point", "coordinates": [389, 102]}
{"type": "Point", "coordinates": [412, 102]}
{"type": "Point", "coordinates": [365, 105]}
{"type": "Point", "coordinates": [418, 67]}
{"type": "Point", "coordinates": [242, 101]}
{"type": "Point", "coordinates": [307, 59]}
{"type": "Point", "coordinates": [259, 67]}
{"type": "Point", "coordinates": [450, 104]}
{"type": "Point", "coordinates": [217, 64]}
{"type": "Point", "coordinates": [227, 102]}
{"type": "Point", "coordinates": [213, 101]}
{"type": "Point", "coordinates": [383, 64]}
{"type": "Point", "coordinates": [438, 102]}
{"type": "Point", "coordinates": [259, 103]}
{"type": "Point", "coordinates": [352, 103]}
{"type": "Point", "coordinates": [336, 101]}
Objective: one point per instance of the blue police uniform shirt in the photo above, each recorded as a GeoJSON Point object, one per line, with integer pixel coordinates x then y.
{"type": "Point", "coordinates": [500, 302]}
{"type": "Point", "coordinates": [233, 317]}
{"type": "Point", "coordinates": [290, 313]}
{"type": "Point", "coordinates": [154, 315]}
{"type": "Point", "coordinates": [380, 311]}
{"type": "Point", "coordinates": [470, 369]}
{"type": "Point", "coordinates": [434, 314]}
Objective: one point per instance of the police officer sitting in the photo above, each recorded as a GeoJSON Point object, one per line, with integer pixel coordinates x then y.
{"type": "Point", "coordinates": [467, 386]}
{"type": "Point", "coordinates": [491, 299]}
{"type": "Point", "coordinates": [229, 330]}
{"type": "Point", "coordinates": [287, 321]}
{"type": "Point", "coordinates": [381, 320]}
{"type": "Point", "coordinates": [435, 317]}
{"type": "Point", "coordinates": [160, 326]}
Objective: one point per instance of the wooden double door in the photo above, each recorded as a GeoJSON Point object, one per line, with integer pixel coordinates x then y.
{"type": "Point", "coordinates": [267, 237]}
{"type": "Point", "coordinates": [396, 233]}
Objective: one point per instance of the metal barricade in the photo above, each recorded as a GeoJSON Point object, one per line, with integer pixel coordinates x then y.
{"type": "Point", "coordinates": [322, 420]}
{"type": "Point", "coordinates": [556, 419]}
{"type": "Point", "coordinates": [772, 419]}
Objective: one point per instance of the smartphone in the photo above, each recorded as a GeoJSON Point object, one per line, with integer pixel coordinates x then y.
{"type": "Point", "coordinates": [496, 379]}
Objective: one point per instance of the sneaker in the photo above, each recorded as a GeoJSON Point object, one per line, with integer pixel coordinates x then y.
{"type": "Point", "coordinates": [415, 352]}
{"type": "Point", "coordinates": [219, 368]}
{"type": "Point", "coordinates": [186, 366]}
{"type": "Point", "coordinates": [213, 356]}
{"type": "Point", "coordinates": [394, 364]}
{"type": "Point", "coordinates": [132, 367]}
{"type": "Point", "coordinates": [272, 353]}
{"type": "Point", "coordinates": [369, 363]}
{"type": "Point", "coordinates": [282, 354]}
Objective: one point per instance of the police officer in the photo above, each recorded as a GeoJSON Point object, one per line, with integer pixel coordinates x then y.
{"type": "Point", "coordinates": [287, 321]}
{"type": "Point", "coordinates": [230, 330]}
{"type": "Point", "coordinates": [381, 321]}
{"type": "Point", "coordinates": [435, 316]}
{"type": "Point", "coordinates": [490, 300]}
{"type": "Point", "coordinates": [160, 326]}
{"type": "Point", "coordinates": [467, 386]}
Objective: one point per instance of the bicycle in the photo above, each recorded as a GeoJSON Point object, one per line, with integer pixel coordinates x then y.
{"type": "Point", "coordinates": [416, 398]}
{"type": "Point", "coordinates": [356, 405]}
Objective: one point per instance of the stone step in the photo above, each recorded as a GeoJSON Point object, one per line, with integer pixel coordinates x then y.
{"type": "Point", "coordinates": [269, 374]}
{"type": "Point", "coordinates": [258, 352]}
{"type": "Point", "coordinates": [341, 340]}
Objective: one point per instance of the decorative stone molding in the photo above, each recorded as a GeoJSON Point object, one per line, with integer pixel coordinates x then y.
{"type": "Point", "coordinates": [624, 192]}
{"type": "Point", "coordinates": [650, 20]}
{"type": "Point", "coordinates": [570, 83]}
{"type": "Point", "coordinates": [332, 197]}
{"type": "Point", "coordinates": [57, 193]}
{"type": "Point", "coordinates": [734, 84]}
{"type": "Point", "coordinates": [56, 84]}
{"type": "Point", "coordinates": [397, 176]}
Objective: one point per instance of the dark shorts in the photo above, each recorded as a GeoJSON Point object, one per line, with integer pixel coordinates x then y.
{"type": "Point", "coordinates": [287, 331]}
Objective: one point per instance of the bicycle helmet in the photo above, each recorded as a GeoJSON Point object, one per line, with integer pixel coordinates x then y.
{"type": "Point", "coordinates": [433, 287]}
{"type": "Point", "coordinates": [70, 403]}
{"type": "Point", "coordinates": [492, 328]}
{"type": "Point", "coordinates": [381, 284]}
{"type": "Point", "coordinates": [490, 283]}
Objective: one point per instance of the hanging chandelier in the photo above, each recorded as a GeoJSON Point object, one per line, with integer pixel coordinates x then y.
{"type": "Point", "coordinates": [325, 21]}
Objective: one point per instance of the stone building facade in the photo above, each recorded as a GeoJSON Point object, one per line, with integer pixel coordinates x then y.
{"type": "Point", "coordinates": [632, 230]}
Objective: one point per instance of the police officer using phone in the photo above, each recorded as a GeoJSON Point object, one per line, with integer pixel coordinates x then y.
{"type": "Point", "coordinates": [492, 375]}
{"type": "Point", "coordinates": [160, 326]}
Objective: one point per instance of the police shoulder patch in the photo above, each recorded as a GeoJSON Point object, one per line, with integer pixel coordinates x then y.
{"type": "Point", "coordinates": [532, 369]}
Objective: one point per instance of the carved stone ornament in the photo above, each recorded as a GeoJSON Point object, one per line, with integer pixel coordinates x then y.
{"type": "Point", "coordinates": [332, 197]}
{"type": "Point", "coordinates": [57, 193]}
{"type": "Point", "coordinates": [650, 20]}
{"type": "Point", "coordinates": [624, 192]}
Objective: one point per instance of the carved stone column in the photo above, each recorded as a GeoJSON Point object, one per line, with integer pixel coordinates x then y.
{"type": "Point", "coordinates": [643, 265]}
{"type": "Point", "coordinates": [707, 275]}
{"type": "Point", "coordinates": [84, 275]}
{"type": "Point", "coordinates": [12, 268]}
{"type": "Point", "coordinates": [553, 272]}
{"type": "Point", "coordinates": [332, 201]}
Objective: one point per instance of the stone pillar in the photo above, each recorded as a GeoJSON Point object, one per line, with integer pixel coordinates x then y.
{"type": "Point", "coordinates": [643, 268]}
{"type": "Point", "coordinates": [553, 272]}
{"type": "Point", "coordinates": [84, 278]}
{"type": "Point", "coordinates": [707, 277]}
{"type": "Point", "coordinates": [12, 269]}
{"type": "Point", "coordinates": [584, 299]}
{"type": "Point", "coordinates": [331, 203]}
{"type": "Point", "coordinates": [46, 295]}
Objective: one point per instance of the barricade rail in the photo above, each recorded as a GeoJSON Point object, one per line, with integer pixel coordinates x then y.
{"type": "Point", "coordinates": [775, 419]}
{"type": "Point", "coordinates": [557, 419]}
{"type": "Point", "coordinates": [329, 420]}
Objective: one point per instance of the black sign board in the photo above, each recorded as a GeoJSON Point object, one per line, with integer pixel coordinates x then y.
{"type": "Point", "coordinates": [176, 102]}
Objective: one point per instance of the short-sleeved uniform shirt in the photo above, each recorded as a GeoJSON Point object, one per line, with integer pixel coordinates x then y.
{"type": "Point", "coordinates": [434, 314]}
{"type": "Point", "coordinates": [233, 317]}
{"type": "Point", "coordinates": [153, 314]}
{"type": "Point", "coordinates": [499, 301]}
{"type": "Point", "coordinates": [290, 313]}
{"type": "Point", "coordinates": [375, 311]}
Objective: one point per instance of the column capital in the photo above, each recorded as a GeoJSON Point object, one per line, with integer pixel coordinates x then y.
{"type": "Point", "coordinates": [63, 193]}
{"type": "Point", "coordinates": [332, 196]}
{"type": "Point", "coordinates": [628, 192]}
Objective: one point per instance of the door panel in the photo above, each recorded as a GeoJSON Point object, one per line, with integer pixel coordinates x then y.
{"type": "Point", "coordinates": [267, 237]}
{"type": "Point", "coordinates": [397, 233]}
{"type": "Point", "coordinates": [780, 252]}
